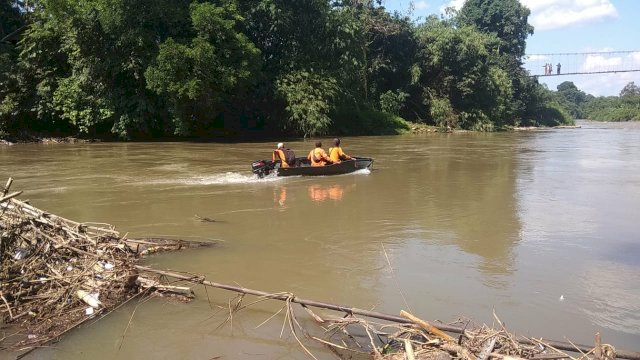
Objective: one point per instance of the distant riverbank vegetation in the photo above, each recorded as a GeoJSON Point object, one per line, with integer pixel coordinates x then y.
{"type": "Point", "coordinates": [625, 107]}
{"type": "Point", "coordinates": [141, 69]}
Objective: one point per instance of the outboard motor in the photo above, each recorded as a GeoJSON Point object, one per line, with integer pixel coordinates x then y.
{"type": "Point", "coordinates": [262, 167]}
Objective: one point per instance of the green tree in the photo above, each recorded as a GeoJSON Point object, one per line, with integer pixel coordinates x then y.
{"type": "Point", "coordinates": [507, 19]}
{"type": "Point", "coordinates": [392, 101]}
{"type": "Point", "coordinates": [625, 107]}
{"type": "Point", "coordinates": [293, 36]}
{"type": "Point", "coordinates": [10, 21]}
{"type": "Point", "coordinates": [290, 35]}
{"type": "Point", "coordinates": [309, 98]}
{"type": "Point", "coordinates": [630, 98]}
{"type": "Point", "coordinates": [542, 107]}
{"type": "Point", "coordinates": [378, 50]}
{"type": "Point", "coordinates": [146, 68]}
{"type": "Point", "coordinates": [12, 18]}
{"type": "Point", "coordinates": [630, 90]}
{"type": "Point", "coordinates": [455, 64]}
{"type": "Point", "coordinates": [82, 64]}
{"type": "Point", "coordinates": [572, 99]}
{"type": "Point", "coordinates": [39, 64]}
{"type": "Point", "coordinates": [198, 77]}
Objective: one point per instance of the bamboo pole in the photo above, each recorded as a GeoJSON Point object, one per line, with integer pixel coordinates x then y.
{"type": "Point", "coordinates": [621, 354]}
{"type": "Point", "coordinates": [6, 187]}
{"type": "Point", "coordinates": [426, 326]}
{"type": "Point", "coordinates": [7, 197]}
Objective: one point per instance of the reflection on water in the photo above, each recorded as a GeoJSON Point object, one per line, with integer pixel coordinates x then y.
{"type": "Point", "coordinates": [280, 195]}
{"type": "Point", "coordinates": [469, 222]}
{"type": "Point", "coordinates": [318, 192]}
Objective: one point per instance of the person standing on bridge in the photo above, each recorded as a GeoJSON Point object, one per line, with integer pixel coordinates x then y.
{"type": "Point", "coordinates": [558, 72]}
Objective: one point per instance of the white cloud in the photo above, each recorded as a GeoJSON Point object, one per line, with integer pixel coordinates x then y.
{"type": "Point", "coordinates": [421, 5]}
{"type": "Point", "coordinates": [596, 62]}
{"type": "Point", "coordinates": [635, 56]}
{"type": "Point", "coordinates": [555, 14]}
{"type": "Point", "coordinates": [457, 4]}
{"type": "Point", "coordinates": [595, 84]}
{"type": "Point", "coordinates": [536, 58]}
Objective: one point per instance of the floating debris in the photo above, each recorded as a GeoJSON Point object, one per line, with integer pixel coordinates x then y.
{"type": "Point", "coordinates": [52, 268]}
{"type": "Point", "coordinates": [407, 336]}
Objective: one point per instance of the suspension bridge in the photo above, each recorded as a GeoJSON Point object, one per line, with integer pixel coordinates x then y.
{"type": "Point", "coordinates": [560, 64]}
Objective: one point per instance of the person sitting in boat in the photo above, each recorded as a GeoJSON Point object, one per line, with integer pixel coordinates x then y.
{"type": "Point", "coordinates": [318, 156]}
{"type": "Point", "coordinates": [336, 154]}
{"type": "Point", "coordinates": [279, 155]}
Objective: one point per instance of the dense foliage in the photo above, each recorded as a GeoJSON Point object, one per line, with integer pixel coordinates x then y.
{"type": "Point", "coordinates": [580, 105]}
{"type": "Point", "coordinates": [625, 107]}
{"type": "Point", "coordinates": [141, 68]}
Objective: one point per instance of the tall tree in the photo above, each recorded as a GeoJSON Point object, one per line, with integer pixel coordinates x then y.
{"type": "Point", "coordinates": [10, 21]}
{"type": "Point", "coordinates": [377, 48]}
{"type": "Point", "coordinates": [197, 77]}
{"type": "Point", "coordinates": [11, 18]}
{"type": "Point", "coordinates": [630, 90]}
{"type": "Point", "coordinates": [83, 63]}
{"type": "Point", "coordinates": [309, 98]}
{"type": "Point", "coordinates": [454, 71]}
{"type": "Point", "coordinates": [507, 19]}
{"type": "Point", "coordinates": [291, 35]}
{"type": "Point", "coordinates": [572, 98]}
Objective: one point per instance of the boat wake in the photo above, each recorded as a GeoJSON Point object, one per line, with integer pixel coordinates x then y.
{"type": "Point", "coordinates": [228, 178]}
{"type": "Point", "coordinates": [362, 172]}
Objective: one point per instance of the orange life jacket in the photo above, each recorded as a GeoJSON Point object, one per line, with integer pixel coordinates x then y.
{"type": "Point", "coordinates": [336, 154]}
{"type": "Point", "coordinates": [279, 155]}
{"type": "Point", "coordinates": [318, 157]}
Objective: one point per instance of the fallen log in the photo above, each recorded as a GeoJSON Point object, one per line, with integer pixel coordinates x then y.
{"type": "Point", "coordinates": [561, 345]}
{"type": "Point", "coordinates": [152, 245]}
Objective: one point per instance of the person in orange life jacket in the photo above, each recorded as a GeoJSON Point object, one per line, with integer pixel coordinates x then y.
{"type": "Point", "coordinates": [336, 154]}
{"type": "Point", "coordinates": [278, 155]}
{"type": "Point", "coordinates": [319, 157]}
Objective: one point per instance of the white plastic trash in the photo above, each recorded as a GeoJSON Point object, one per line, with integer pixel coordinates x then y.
{"type": "Point", "coordinates": [90, 299]}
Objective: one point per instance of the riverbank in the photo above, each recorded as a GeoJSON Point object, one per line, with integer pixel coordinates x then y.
{"type": "Point", "coordinates": [411, 128]}
{"type": "Point", "coordinates": [535, 128]}
{"type": "Point", "coordinates": [46, 140]}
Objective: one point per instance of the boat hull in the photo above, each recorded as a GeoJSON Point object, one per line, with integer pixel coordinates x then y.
{"type": "Point", "coordinates": [304, 168]}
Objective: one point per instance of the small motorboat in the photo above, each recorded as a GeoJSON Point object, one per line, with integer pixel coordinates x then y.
{"type": "Point", "coordinates": [302, 167]}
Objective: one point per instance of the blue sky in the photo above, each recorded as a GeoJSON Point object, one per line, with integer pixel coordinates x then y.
{"type": "Point", "coordinates": [570, 26]}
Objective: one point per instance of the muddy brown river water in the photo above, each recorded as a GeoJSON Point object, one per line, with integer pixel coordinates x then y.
{"type": "Point", "coordinates": [542, 226]}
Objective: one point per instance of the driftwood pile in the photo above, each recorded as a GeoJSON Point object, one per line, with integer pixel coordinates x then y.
{"type": "Point", "coordinates": [56, 273]}
{"type": "Point", "coordinates": [405, 336]}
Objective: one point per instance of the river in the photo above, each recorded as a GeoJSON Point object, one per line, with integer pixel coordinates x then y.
{"type": "Point", "coordinates": [542, 226]}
